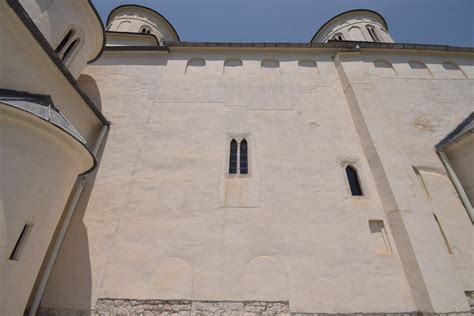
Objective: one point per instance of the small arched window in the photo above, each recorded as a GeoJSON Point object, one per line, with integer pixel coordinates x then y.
{"type": "Point", "coordinates": [233, 157]}
{"type": "Point", "coordinates": [338, 37]}
{"type": "Point", "coordinates": [64, 41]}
{"type": "Point", "coordinates": [244, 165]}
{"type": "Point", "coordinates": [353, 179]}
{"type": "Point", "coordinates": [145, 30]}
{"type": "Point", "coordinates": [70, 49]}
{"type": "Point", "coordinates": [373, 33]}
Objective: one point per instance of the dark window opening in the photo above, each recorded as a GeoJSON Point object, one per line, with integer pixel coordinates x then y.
{"type": "Point", "coordinates": [243, 157]}
{"type": "Point", "coordinates": [70, 48]}
{"type": "Point", "coordinates": [233, 157]}
{"type": "Point", "coordinates": [145, 30]}
{"type": "Point", "coordinates": [338, 37]}
{"type": "Point", "coordinates": [353, 179]}
{"type": "Point", "coordinates": [64, 41]}
{"type": "Point", "coordinates": [373, 34]}
{"type": "Point", "coordinates": [20, 244]}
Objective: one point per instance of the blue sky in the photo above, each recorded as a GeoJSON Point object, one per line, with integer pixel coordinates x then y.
{"type": "Point", "coordinates": [449, 22]}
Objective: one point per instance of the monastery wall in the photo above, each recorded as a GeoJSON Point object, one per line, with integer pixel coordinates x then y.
{"type": "Point", "coordinates": [176, 226]}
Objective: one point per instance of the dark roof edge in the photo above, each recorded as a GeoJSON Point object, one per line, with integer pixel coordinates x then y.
{"type": "Point", "coordinates": [466, 126]}
{"type": "Point", "coordinates": [333, 44]}
{"type": "Point", "coordinates": [30, 25]}
{"type": "Point", "coordinates": [46, 101]}
{"type": "Point", "coordinates": [137, 48]}
{"type": "Point", "coordinates": [350, 11]}
{"type": "Point", "coordinates": [103, 32]}
{"type": "Point", "coordinates": [143, 7]}
{"type": "Point", "coordinates": [134, 34]}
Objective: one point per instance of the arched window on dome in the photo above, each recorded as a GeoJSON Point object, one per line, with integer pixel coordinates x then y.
{"type": "Point", "coordinates": [353, 179]}
{"type": "Point", "coordinates": [145, 29]}
{"type": "Point", "coordinates": [244, 164]}
{"type": "Point", "coordinates": [373, 33]}
{"type": "Point", "coordinates": [233, 157]}
{"type": "Point", "coordinates": [337, 37]}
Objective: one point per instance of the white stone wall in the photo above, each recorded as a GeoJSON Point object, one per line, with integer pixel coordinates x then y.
{"type": "Point", "coordinates": [157, 225]}
{"type": "Point", "coordinates": [39, 165]}
{"type": "Point", "coordinates": [401, 110]}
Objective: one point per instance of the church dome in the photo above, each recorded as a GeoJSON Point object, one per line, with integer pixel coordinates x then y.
{"type": "Point", "coordinates": [140, 19]}
{"type": "Point", "coordinates": [354, 25]}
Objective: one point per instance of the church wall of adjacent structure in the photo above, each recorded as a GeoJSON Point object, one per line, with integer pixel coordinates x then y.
{"type": "Point", "coordinates": [47, 132]}
{"type": "Point", "coordinates": [71, 28]}
{"type": "Point", "coordinates": [34, 72]}
{"type": "Point", "coordinates": [402, 107]}
{"type": "Point", "coordinates": [33, 198]}
{"type": "Point", "coordinates": [177, 225]}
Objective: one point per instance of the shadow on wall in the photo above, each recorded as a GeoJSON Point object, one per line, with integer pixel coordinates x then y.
{"type": "Point", "coordinates": [70, 285]}
{"type": "Point", "coordinates": [89, 86]}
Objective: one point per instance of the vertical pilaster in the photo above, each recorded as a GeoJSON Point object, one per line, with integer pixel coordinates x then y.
{"type": "Point", "coordinates": [427, 266]}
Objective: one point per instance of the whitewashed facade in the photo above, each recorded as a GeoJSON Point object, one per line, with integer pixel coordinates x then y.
{"type": "Point", "coordinates": [330, 177]}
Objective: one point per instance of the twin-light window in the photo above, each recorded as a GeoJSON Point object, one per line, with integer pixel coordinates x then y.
{"type": "Point", "coordinates": [238, 157]}
{"type": "Point", "coordinates": [68, 44]}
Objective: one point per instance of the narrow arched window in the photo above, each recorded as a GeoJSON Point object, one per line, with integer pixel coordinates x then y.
{"type": "Point", "coordinates": [70, 48]}
{"type": "Point", "coordinates": [373, 34]}
{"type": "Point", "coordinates": [353, 180]}
{"type": "Point", "coordinates": [338, 37]}
{"type": "Point", "coordinates": [233, 157]}
{"type": "Point", "coordinates": [244, 164]}
{"type": "Point", "coordinates": [64, 41]}
{"type": "Point", "coordinates": [145, 30]}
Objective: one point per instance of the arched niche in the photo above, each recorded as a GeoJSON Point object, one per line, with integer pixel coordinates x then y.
{"type": "Point", "coordinates": [356, 34]}
{"type": "Point", "coordinates": [270, 63]}
{"type": "Point", "coordinates": [195, 64]}
{"type": "Point", "coordinates": [308, 66]}
{"type": "Point", "coordinates": [453, 70]}
{"type": "Point", "coordinates": [419, 68]}
{"type": "Point", "coordinates": [124, 26]}
{"type": "Point", "coordinates": [233, 65]}
{"type": "Point", "coordinates": [172, 279]}
{"type": "Point", "coordinates": [384, 68]}
{"type": "Point", "coordinates": [271, 66]}
{"type": "Point", "coordinates": [265, 280]}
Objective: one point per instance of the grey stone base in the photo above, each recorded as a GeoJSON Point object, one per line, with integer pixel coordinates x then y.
{"type": "Point", "coordinates": [109, 307]}
{"type": "Point", "coordinates": [151, 307]}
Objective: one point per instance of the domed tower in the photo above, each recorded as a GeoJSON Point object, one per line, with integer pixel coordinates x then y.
{"type": "Point", "coordinates": [355, 25]}
{"type": "Point", "coordinates": [140, 19]}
